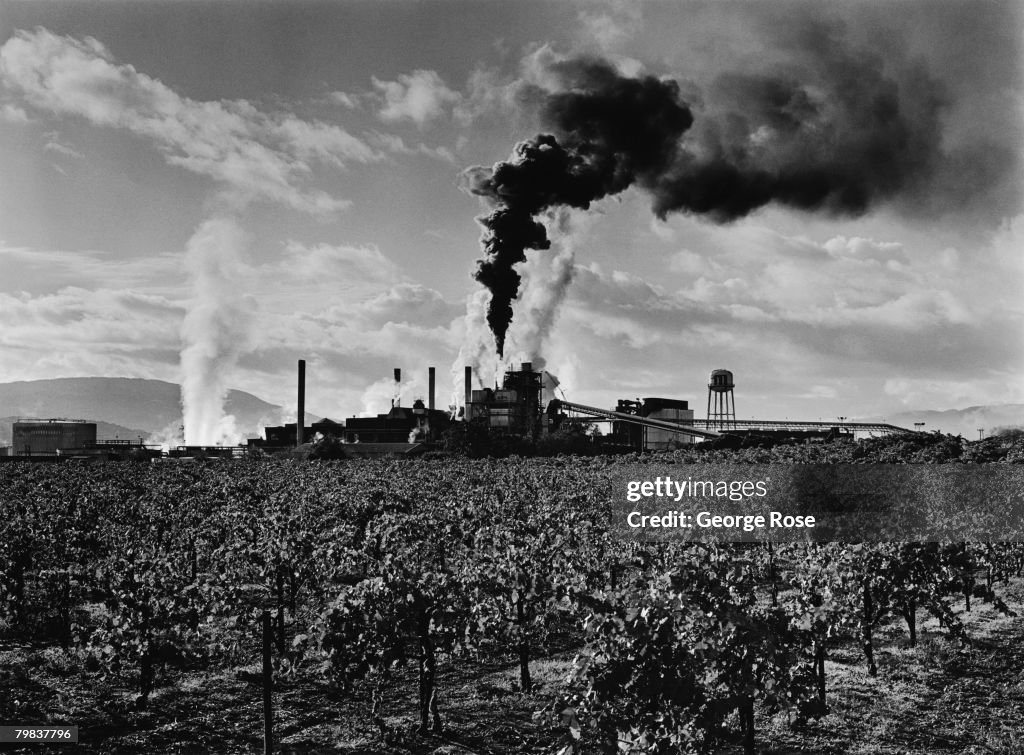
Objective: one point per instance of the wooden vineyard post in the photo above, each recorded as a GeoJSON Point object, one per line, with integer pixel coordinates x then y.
{"type": "Point", "coordinates": [865, 628]}
{"type": "Point", "coordinates": [268, 681]}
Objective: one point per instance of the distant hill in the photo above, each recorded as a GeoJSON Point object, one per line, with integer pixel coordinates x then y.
{"type": "Point", "coordinates": [963, 422]}
{"type": "Point", "coordinates": [125, 407]}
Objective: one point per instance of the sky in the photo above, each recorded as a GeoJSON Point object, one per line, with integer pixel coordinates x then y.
{"type": "Point", "coordinates": [825, 198]}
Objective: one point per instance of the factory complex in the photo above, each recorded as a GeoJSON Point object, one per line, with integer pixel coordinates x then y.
{"type": "Point", "coordinates": [518, 408]}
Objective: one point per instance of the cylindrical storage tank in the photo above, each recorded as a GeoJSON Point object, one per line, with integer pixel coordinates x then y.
{"type": "Point", "coordinates": [721, 400]}
{"type": "Point", "coordinates": [721, 380]}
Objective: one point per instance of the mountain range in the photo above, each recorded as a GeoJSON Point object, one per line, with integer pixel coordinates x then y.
{"type": "Point", "coordinates": [122, 407]}
{"type": "Point", "coordinates": [965, 422]}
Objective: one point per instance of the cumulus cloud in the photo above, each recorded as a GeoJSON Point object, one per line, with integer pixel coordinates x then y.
{"type": "Point", "coordinates": [922, 392]}
{"type": "Point", "coordinates": [797, 284]}
{"type": "Point", "coordinates": [845, 324]}
{"type": "Point", "coordinates": [348, 347]}
{"type": "Point", "coordinates": [357, 309]}
{"type": "Point", "coordinates": [864, 249]}
{"type": "Point", "coordinates": [662, 230]}
{"type": "Point", "coordinates": [487, 93]}
{"type": "Point", "coordinates": [345, 100]}
{"type": "Point", "coordinates": [14, 114]}
{"type": "Point", "coordinates": [342, 266]}
{"type": "Point", "coordinates": [350, 283]}
{"type": "Point", "coordinates": [396, 145]}
{"type": "Point", "coordinates": [408, 303]}
{"type": "Point", "coordinates": [627, 307]}
{"type": "Point", "coordinates": [78, 331]}
{"type": "Point", "coordinates": [68, 314]}
{"type": "Point", "coordinates": [420, 97]}
{"type": "Point", "coordinates": [253, 153]}
{"type": "Point", "coordinates": [47, 270]}
{"type": "Point", "coordinates": [609, 23]}
{"type": "Point", "coordinates": [54, 145]}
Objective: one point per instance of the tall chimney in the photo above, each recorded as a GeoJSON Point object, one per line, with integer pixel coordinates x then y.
{"type": "Point", "coordinates": [300, 420]}
{"type": "Point", "coordinates": [469, 392]}
{"type": "Point", "coordinates": [397, 400]}
{"type": "Point", "coordinates": [430, 388]}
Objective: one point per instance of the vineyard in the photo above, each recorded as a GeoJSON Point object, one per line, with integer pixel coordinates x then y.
{"type": "Point", "coordinates": [452, 605]}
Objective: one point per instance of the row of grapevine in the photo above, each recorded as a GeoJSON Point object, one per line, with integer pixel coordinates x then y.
{"type": "Point", "coordinates": [369, 567]}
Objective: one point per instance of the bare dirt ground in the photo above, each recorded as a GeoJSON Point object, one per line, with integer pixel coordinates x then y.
{"type": "Point", "coordinates": [934, 698]}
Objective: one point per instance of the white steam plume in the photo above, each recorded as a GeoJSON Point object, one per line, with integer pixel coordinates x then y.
{"type": "Point", "coordinates": [477, 350]}
{"type": "Point", "coordinates": [545, 285]}
{"type": "Point", "coordinates": [546, 280]}
{"type": "Point", "coordinates": [377, 398]}
{"type": "Point", "coordinates": [167, 438]}
{"type": "Point", "coordinates": [215, 330]}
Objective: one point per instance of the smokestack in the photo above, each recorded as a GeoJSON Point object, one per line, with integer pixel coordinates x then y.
{"type": "Point", "coordinates": [300, 420]}
{"type": "Point", "coordinates": [469, 391]}
{"type": "Point", "coordinates": [430, 388]}
{"type": "Point", "coordinates": [397, 400]}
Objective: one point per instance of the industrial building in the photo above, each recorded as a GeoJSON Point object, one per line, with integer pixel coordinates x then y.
{"type": "Point", "coordinates": [518, 408]}
{"type": "Point", "coordinates": [286, 435]}
{"type": "Point", "coordinates": [400, 431]}
{"type": "Point", "coordinates": [651, 437]}
{"type": "Point", "coordinates": [111, 450]}
{"type": "Point", "coordinates": [401, 424]}
{"type": "Point", "coordinates": [515, 407]}
{"type": "Point", "coordinates": [44, 437]}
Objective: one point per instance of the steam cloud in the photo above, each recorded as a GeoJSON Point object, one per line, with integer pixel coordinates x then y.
{"type": "Point", "coordinates": [835, 133]}
{"type": "Point", "coordinates": [214, 332]}
{"type": "Point", "coordinates": [545, 285]}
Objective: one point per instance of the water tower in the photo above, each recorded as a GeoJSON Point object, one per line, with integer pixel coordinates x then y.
{"type": "Point", "coordinates": [720, 396]}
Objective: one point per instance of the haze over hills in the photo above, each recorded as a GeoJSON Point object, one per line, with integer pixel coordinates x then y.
{"type": "Point", "coordinates": [963, 422]}
{"type": "Point", "coordinates": [132, 406]}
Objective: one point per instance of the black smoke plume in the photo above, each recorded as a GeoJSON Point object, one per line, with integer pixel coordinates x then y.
{"type": "Point", "coordinates": [833, 133]}
{"type": "Point", "coordinates": [610, 132]}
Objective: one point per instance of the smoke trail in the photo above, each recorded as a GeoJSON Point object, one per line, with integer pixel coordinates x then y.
{"type": "Point", "coordinates": [609, 131]}
{"type": "Point", "coordinates": [378, 398]}
{"type": "Point", "coordinates": [167, 437]}
{"type": "Point", "coordinates": [476, 351]}
{"type": "Point", "coordinates": [832, 133]}
{"type": "Point", "coordinates": [215, 330]}
{"type": "Point", "coordinates": [545, 285]}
